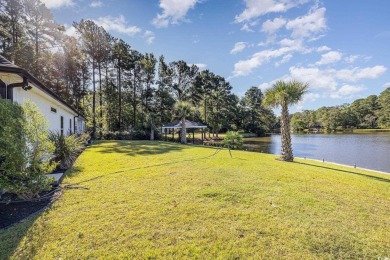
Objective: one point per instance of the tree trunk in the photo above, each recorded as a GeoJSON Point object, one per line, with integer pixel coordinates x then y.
{"type": "Point", "coordinates": [205, 116]}
{"type": "Point", "coordinates": [100, 100]}
{"type": "Point", "coordinates": [93, 101]}
{"type": "Point", "coordinates": [134, 101]}
{"type": "Point", "coordinates": [119, 100]}
{"type": "Point", "coordinates": [183, 131]}
{"type": "Point", "coordinates": [151, 128]}
{"type": "Point", "coordinates": [287, 153]}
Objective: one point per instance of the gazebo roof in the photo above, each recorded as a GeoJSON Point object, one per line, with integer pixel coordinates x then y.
{"type": "Point", "coordinates": [189, 124]}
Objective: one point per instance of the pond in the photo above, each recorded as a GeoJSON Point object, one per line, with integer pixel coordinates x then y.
{"type": "Point", "coordinates": [371, 151]}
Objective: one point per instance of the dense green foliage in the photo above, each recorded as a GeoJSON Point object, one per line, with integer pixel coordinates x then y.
{"type": "Point", "coordinates": [116, 87]}
{"type": "Point", "coordinates": [38, 154]}
{"type": "Point", "coordinates": [12, 143]}
{"type": "Point", "coordinates": [148, 200]}
{"type": "Point", "coordinates": [370, 112]}
{"type": "Point", "coordinates": [67, 148]}
{"type": "Point", "coordinates": [25, 150]}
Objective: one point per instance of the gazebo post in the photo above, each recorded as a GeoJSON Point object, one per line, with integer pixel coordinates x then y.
{"type": "Point", "coordinates": [173, 134]}
{"type": "Point", "coordinates": [202, 135]}
{"type": "Point", "coordinates": [193, 135]}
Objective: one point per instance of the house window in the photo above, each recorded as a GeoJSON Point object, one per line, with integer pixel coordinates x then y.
{"type": "Point", "coordinates": [70, 126]}
{"type": "Point", "coordinates": [62, 125]}
{"type": "Point", "coordinates": [52, 109]}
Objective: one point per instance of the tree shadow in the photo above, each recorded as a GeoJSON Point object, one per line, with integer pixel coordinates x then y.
{"type": "Point", "coordinates": [345, 171]}
{"type": "Point", "coordinates": [133, 148]}
{"type": "Point", "coordinates": [11, 236]}
{"type": "Point", "coordinates": [75, 170]}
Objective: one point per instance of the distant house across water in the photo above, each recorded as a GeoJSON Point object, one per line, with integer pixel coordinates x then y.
{"type": "Point", "coordinates": [19, 85]}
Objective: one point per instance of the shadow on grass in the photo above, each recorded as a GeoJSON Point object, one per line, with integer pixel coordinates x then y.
{"type": "Point", "coordinates": [11, 237]}
{"type": "Point", "coordinates": [133, 148]}
{"type": "Point", "coordinates": [75, 185]}
{"type": "Point", "coordinates": [75, 170]}
{"type": "Point", "coordinates": [345, 171]}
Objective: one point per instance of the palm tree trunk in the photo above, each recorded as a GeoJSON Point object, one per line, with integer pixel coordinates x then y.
{"type": "Point", "coordinates": [287, 153]}
{"type": "Point", "coordinates": [183, 130]}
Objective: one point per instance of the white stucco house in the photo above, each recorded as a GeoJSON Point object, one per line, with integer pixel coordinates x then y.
{"type": "Point", "coordinates": [19, 85]}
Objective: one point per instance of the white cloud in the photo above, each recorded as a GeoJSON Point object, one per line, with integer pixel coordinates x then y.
{"type": "Point", "coordinates": [288, 46]}
{"type": "Point", "coordinates": [149, 35]}
{"type": "Point", "coordinates": [256, 8]}
{"type": "Point", "coordinates": [71, 31]}
{"type": "Point", "coordinates": [330, 57]}
{"type": "Point", "coordinates": [347, 91]}
{"type": "Point", "coordinates": [173, 12]}
{"type": "Point", "coordinates": [323, 48]}
{"type": "Point", "coordinates": [238, 47]}
{"type": "Point", "coordinates": [308, 26]}
{"type": "Point", "coordinates": [330, 82]}
{"type": "Point", "coordinates": [245, 67]}
{"type": "Point", "coordinates": [317, 79]}
{"type": "Point", "coordinates": [117, 24]}
{"type": "Point", "coordinates": [329, 78]}
{"type": "Point", "coordinates": [310, 97]}
{"type": "Point", "coordinates": [55, 4]}
{"type": "Point", "coordinates": [293, 44]}
{"type": "Point", "coordinates": [351, 58]}
{"type": "Point", "coordinates": [267, 85]}
{"type": "Point", "coordinates": [354, 58]}
{"type": "Point", "coordinates": [285, 59]}
{"type": "Point", "coordinates": [356, 74]}
{"type": "Point", "coordinates": [387, 85]}
{"type": "Point", "coordinates": [201, 66]}
{"type": "Point", "coordinates": [96, 4]}
{"type": "Point", "coordinates": [272, 26]}
{"type": "Point", "coordinates": [246, 28]}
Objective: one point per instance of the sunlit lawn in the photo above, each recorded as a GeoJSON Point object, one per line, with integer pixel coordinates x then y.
{"type": "Point", "coordinates": [160, 200]}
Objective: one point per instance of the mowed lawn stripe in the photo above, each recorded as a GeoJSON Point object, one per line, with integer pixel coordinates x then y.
{"type": "Point", "coordinates": [142, 199]}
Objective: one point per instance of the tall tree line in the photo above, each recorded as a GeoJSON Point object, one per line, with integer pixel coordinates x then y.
{"type": "Point", "coordinates": [370, 112]}
{"type": "Point", "coordinates": [116, 87]}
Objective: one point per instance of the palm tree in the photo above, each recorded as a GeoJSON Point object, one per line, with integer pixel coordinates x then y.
{"type": "Point", "coordinates": [284, 94]}
{"type": "Point", "coordinates": [183, 110]}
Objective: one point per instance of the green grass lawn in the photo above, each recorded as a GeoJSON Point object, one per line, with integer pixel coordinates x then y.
{"type": "Point", "coordinates": [143, 199]}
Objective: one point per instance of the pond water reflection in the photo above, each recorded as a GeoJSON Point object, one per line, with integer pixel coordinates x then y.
{"type": "Point", "coordinates": [370, 151]}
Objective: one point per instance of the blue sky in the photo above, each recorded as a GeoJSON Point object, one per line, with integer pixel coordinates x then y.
{"type": "Point", "coordinates": [341, 48]}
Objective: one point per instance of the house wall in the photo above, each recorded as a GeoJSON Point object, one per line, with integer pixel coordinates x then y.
{"type": "Point", "coordinates": [52, 109]}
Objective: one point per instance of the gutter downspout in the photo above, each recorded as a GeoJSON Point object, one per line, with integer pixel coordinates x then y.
{"type": "Point", "coordinates": [10, 87]}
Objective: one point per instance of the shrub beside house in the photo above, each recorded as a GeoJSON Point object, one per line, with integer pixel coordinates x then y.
{"type": "Point", "coordinates": [28, 112]}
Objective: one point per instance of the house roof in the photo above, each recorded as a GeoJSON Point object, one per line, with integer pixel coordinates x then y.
{"type": "Point", "coordinates": [7, 66]}
{"type": "Point", "coordinates": [189, 124]}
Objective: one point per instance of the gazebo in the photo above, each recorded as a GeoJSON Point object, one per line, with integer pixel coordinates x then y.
{"type": "Point", "coordinates": [178, 125]}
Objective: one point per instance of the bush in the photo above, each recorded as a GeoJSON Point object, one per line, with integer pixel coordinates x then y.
{"type": "Point", "coordinates": [85, 138]}
{"type": "Point", "coordinates": [27, 150]}
{"type": "Point", "coordinates": [232, 140]}
{"type": "Point", "coordinates": [135, 134]}
{"type": "Point", "coordinates": [12, 143]}
{"type": "Point", "coordinates": [67, 148]}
